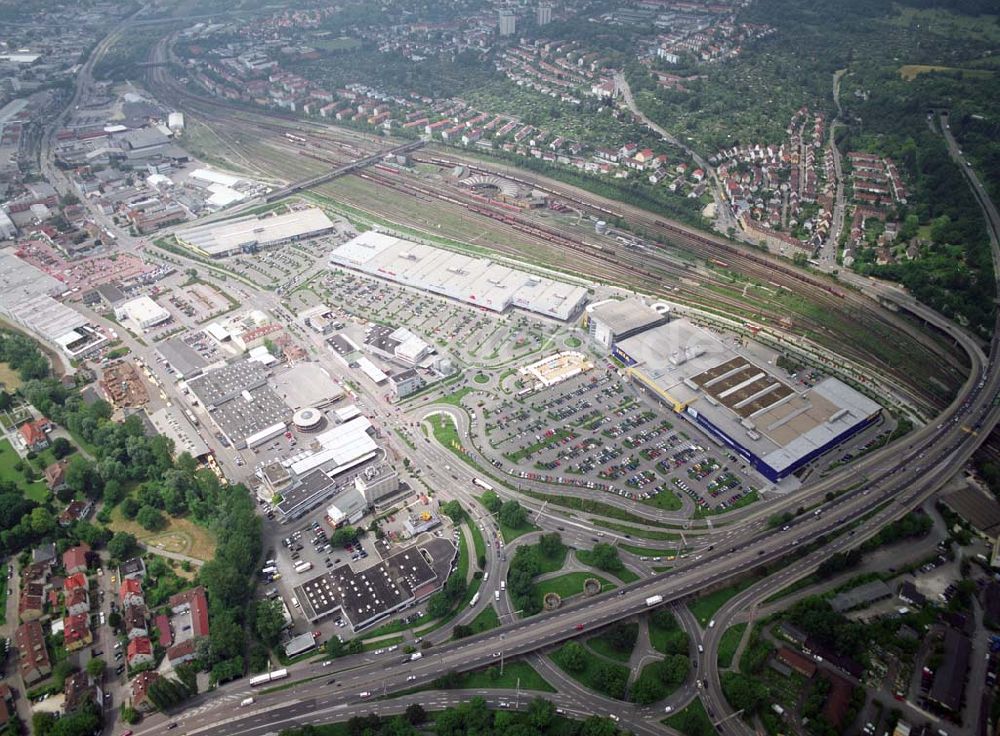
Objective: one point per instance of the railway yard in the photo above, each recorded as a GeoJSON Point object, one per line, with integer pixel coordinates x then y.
{"type": "Point", "coordinates": [484, 418]}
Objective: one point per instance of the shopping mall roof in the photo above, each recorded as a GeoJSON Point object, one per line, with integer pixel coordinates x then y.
{"type": "Point", "coordinates": [695, 370]}
{"type": "Point", "coordinates": [218, 239]}
{"type": "Point", "coordinates": [473, 280]}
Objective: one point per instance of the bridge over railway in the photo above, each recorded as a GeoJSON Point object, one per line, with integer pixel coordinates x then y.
{"type": "Point", "coordinates": [347, 168]}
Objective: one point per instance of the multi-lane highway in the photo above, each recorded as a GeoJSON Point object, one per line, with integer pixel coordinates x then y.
{"type": "Point", "coordinates": [894, 480]}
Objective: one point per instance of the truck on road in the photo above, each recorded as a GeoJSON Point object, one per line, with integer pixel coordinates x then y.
{"type": "Point", "coordinates": [415, 656]}
{"type": "Point", "coordinates": [654, 600]}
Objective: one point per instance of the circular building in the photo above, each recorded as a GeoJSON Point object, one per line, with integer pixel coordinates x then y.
{"type": "Point", "coordinates": [307, 419]}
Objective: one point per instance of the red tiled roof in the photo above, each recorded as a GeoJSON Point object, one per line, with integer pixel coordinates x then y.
{"type": "Point", "coordinates": [183, 649]}
{"type": "Point", "coordinates": [130, 586]}
{"type": "Point", "coordinates": [141, 684]}
{"type": "Point", "coordinates": [139, 645]}
{"type": "Point", "coordinates": [195, 598]}
{"type": "Point", "coordinates": [32, 433]}
{"type": "Point", "coordinates": [76, 556]}
{"type": "Point", "coordinates": [163, 626]}
{"type": "Point", "coordinates": [75, 628]}
{"type": "Point", "coordinates": [76, 580]}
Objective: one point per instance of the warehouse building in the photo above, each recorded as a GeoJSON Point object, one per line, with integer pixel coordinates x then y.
{"type": "Point", "coordinates": [613, 320]}
{"type": "Point", "coordinates": [480, 282]}
{"type": "Point", "coordinates": [773, 426]}
{"type": "Point", "coordinates": [365, 597]}
{"type": "Point", "coordinates": [250, 234]}
{"type": "Point", "coordinates": [241, 403]}
{"type": "Point", "coordinates": [142, 312]}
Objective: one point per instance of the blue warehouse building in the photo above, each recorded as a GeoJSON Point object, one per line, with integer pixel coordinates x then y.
{"type": "Point", "coordinates": [776, 427]}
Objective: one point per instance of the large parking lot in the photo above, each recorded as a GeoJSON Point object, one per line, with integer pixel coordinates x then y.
{"type": "Point", "coordinates": [597, 431]}
{"type": "Point", "coordinates": [473, 336]}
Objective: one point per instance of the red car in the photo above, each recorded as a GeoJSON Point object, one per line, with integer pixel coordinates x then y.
{"type": "Point", "coordinates": [579, 627]}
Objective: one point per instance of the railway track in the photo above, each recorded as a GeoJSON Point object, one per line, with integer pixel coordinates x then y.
{"type": "Point", "coordinates": [650, 270]}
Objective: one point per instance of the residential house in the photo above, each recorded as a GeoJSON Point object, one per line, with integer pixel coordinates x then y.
{"type": "Point", "coordinates": [75, 511]}
{"type": "Point", "coordinates": [139, 687]}
{"type": "Point", "coordinates": [76, 632]}
{"type": "Point", "coordinates": [75, 558]}
{"type": "Point", "coordinates": [134, 569]}
{"type": "Point", "coordinates": [76, 580]}
{"type": "Point", "coordinates": [131, 593]}
{"type": "Point", "coordinates": [166, 636]}
{"type": "Point", "coordinates": [33, 657]}
{"type": "Point", "coordinates": [797, 661]}
{"type": "Point", "coordinates": [79, 688]}
{"type": "Point", "coordinates": [33, 435]}
{"type": "Point", "coordinates": [134, 621]}
{"type": "Point", "coordinates": [181, 652]}
{"type": "Point", "coordinates": [77, 602]}
{"type": "Point", "coordinates": [44, 554]}
{"type": "Point", "coordinates": [192, 600]}
{"type": "Point", "coordinates": [55, 476]}
{"type": "Point", "coordinates": [31, 603]}
{"type": "Point", "coordinates": [140, 651]}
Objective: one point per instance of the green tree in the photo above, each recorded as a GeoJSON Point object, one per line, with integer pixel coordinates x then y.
{"type": "Point", "coordinates": [491, 501]}
{"type": "Point", "coordinates": [42, 521]}
{"type": "Point", "coordinates": [454, 510]}
{"type": "Point", "coordinates": [416, 714]}
{"type": "Point", "coordinates": [150, 519]}
{"type": "Point", "coordinates": [574, 657]}
{"type": "Point", "coordinates": [270, 621]}
{"type": "Point", "coordinates": [61, 447]}
{"type": "Point", "coordinates": [512, 515]}
{"type": "Point", "coordinates": [605, 557]}
{"type": "Point", "coordinates": [130, 507]}
{"type": "Point", "coordinates": [550, 545]}
{"type": "Point", "coordinates": [122, 546]}
{"type": "Point", "coordinates": [95, 667]}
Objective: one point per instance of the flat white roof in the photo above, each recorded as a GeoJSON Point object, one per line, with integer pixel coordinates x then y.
{"type": "Point", "coordinates": [216, 177]}
{"type": "Point", "coordinates": [229, 236]}
{"type": "Point", "coordinates": [371, 370]}
{"type": "Point", "coordinates": [474, 280]}
{"type": "Point", "coordinates": [344, 445]}
{"type": "Point", "coordinates": [144, 310]}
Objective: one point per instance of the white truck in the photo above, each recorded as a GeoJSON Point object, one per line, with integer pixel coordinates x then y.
{"type": "Point", "coordinates": [245, 702]}
{"type": "Point", "coordinates": [778, 709]}
{"type": "Point", "coordinates": [415, 656]}
{"type": "Point", "coordinates": [654, 600]}
{"type": "Point", "coordinates": [303, 567]}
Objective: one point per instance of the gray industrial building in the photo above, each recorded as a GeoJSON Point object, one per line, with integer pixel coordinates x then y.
{"type": "Point", "coordinates": [614, 320]}
{"type": "Point", "coordinates": [241, 403]}
{"type": "Point", "coordinates": [365, 597]}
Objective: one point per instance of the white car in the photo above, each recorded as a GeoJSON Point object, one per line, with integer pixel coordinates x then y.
{"type": "Point", "coordinates": [365, 694]}
{"type": "Point", "coordinates": [668, 709]}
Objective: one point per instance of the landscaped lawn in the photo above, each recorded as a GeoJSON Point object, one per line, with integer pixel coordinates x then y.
{"type": "Point", "coordinates": [486, 620]}
{"type": "Point", "coordinates": [180, 535]}
{"type": "Point", "coordinates": [672, 640]}
{"type": "Point", "coordinates": [36, 491]}
{"type": "Point", "coordinates": [624, 574]}
{"type": "Point", "coordinates": [570, 584]}
{"type": "Point", "coordinates": [551, 564]}
{"type": "Point", "coordinates": [512, 671]}
{"type": "Point", "coordinates": [603, 646]}
{"type": "Point", "coordinates": [455, 398]}
{"type": "Point", "coordinates": [692, 721]}
{"type": "Point", "coordinates": [596, 674]}
{"type": "Point", "coordinates": [728, 643]}
{"type": "Point", "coordinates": [666, 500]}
{"type": "Point", "coordinates": [706, 606]}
